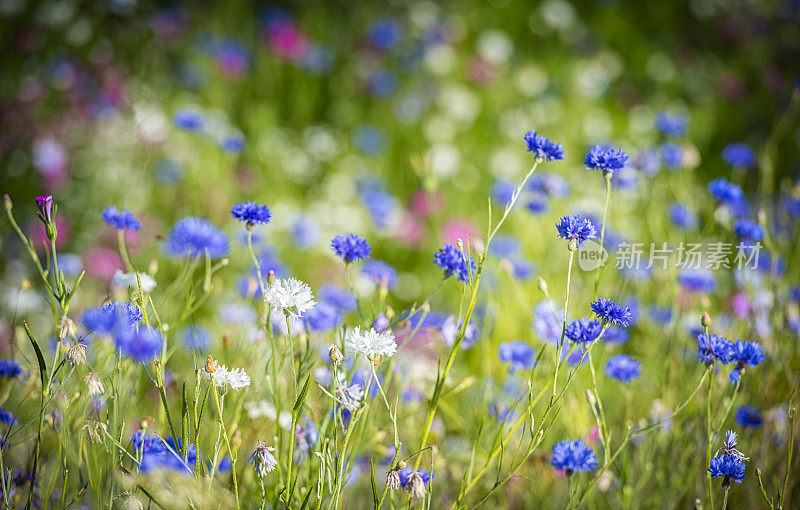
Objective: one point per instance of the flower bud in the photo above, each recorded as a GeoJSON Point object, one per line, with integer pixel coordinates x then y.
{"type": "Point", "coordinates": [335, 355]}
{"type": "Point", "coordinates": [45, 205]}
{"type": "Point", "coordinates": [705, 320]}
{"type": "Point", "coordinates": [542, 284]}
{"type": "Point", "coordinates": [211, 366]}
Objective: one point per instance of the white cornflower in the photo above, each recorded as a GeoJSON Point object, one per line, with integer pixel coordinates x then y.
{"type": "Point", "coordinates": [262, 459]}
{"type": "Point", "coordinates": [351, 396]}
{"type": "Point", "coordinates": [370, 343]}
{"type": "Point", "coordinates": [292, 296]}
{"type": "Point", "coordinates": [93, 384]}
{"type": "Point", "coordinates": [129, 280]}
{"type": "Point", "coordinates": [236, 378]}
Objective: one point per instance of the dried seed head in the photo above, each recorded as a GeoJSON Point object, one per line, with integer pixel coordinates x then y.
{"type": "Point", "coordinates": [93, 384]}
{"type": "Point", "coordinates": [415, 486]}
{"type": "Point", "coordinates": [211, 366]}
{"type": "Point", "coordinates": [76, 355]}
{"type": "Point", "coordinates": [393, 480]}
{"type": "Point", "coordinates": [335, 355]}
{"type": "Point", "coordinates": [68, 328]}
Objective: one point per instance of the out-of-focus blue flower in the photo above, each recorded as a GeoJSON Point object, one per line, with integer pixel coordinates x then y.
{"type": "Point", "coordinates": [550, 185]}
{"type": "Point", "coordinates": [232, 143]}
{"type": "Point", "coordinates": [615, 336]}
{"type": "Point", "coordinates": [522, 269]}
{"type": "Point", "coordinates": [380, 272]}
{"type": "Point", "coordinates": [505, 246]}
{"type": "Point", "coordinates": [9, 368]}
{"type": "Point", "coordinates": [537, 203]}
{"type": "Point", "coordinates": [369, 140]}
{"type": "Point", "coordinates": [102, 320]}
{"type": "Point", "coordinates": [546, 323]}
{"type": "Point", "coordinates": [743, 354]}
{"type": "Point", "coordinates": [623, 368]}
{"type": "Point", "coordinates": [381, 207]}
{"type": "Point", "coordinates": [697, 280]}
{"type": "Point", "coordinates": [120, 220]}
{"type": "Point", "coordinates": [671, 155]}
{"type": "Point", "coordinates": [543, 148]}
{"type": "Point", "coordinates": [323, 317]}
{"type": "Point", "coordinates": [660, 314]}
{"type": "Point", "coordinates": [672, 125]}
{"type": "Point", "coordinates": [739, 155]}
{"type": "Point", "coordinates": [608, 312]}
{"type": "Point", "coordinates": [360, 377]}
{"type": "Point", "coordinates": [197, 338]}
{"type": "Point", "coordinates": [749, 230]}
{"type": "Point", "coordinates": [573, 456]}
{"type": "Point", "coordinates": [339, 298]}
{"type": "Point", "coordinates": [682, 217]}
{"type": "Point", "coordinates": [605, 159]}
{"type": "Point", "coordinates": [157, 454]}
{"type": "Point", "coordinates": [730, 467]}
{"type": "Point", "coordinates": [189, 119]}
{"type": "Point", "coordinates": [350, 247]}
{"type": "Point", "coordinates": [626, 178]}
{"type": "Point", "coordinates": [725, 192]}
{"type": "Point", "coordinates": [168, 171]}
{"type": "Point", "coordinates": [449, 330]}
{"type": "Point", "coordinates": [583, 330]}
{"type": "Point", "coordinates": [142, 344]}
{"type": "Point", "coordinates": [405, 474]}
{"type": "Point", "coordinates": [318, 61]}
{"type": "Point", "coordinates": [521, 355]}
{"type": "Point", "coordinates": [575, 228]}
{"type": "Point", "coordinates": [7, 417]}
{"type": "Point", "coordinates": [648, 162]}
{"type": "Point", "coordinates": [748, 417]}
{"type": "Point", "coordinates": [453, 263]}
{"type": "Point", "coordinates": [305, 232]}
{"type": "Point", "coordinates": [251, 213]}
{"type": "Point", "coordinates": [382, 83]}
{"type": "Point", "coordinates": [501, 412]}
{"type": "Point", "coordinates": [385, 34]}
{"type": "Point", "coordinates": [503, 191]}
{"type": "Point", "coordinates": [193, 237]}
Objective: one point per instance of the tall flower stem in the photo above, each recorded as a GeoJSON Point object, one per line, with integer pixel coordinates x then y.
{"type": "Point", "coordinates": [290, 461]}
{"type": "Point", "coordinates": [123, 251]}
{"type": "Point", "coordinates": [708, 442]}
{"type": "Point", "coordinates": [607, 177]}
{"type": "Point", "coordinates": [725, 496]}
{"type": "Point", "coordinates": [442, 377]}
{"type": "Point", "coordinates": [563, 325]}
{"type": "Point", "coordinates": [231, 451]}
{"type": "Point", "coordinates": [600, 415]}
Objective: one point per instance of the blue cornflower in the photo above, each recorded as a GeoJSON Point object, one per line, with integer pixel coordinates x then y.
{"type": "Point", "coordinates": [503, 191]}
{"type": "Point", "coordinates": [573, 456]}
{"type": "Point", "coordinates": [711, 348]}
{"type": "Point", "coordinates": [521, 355]}
{"type": "Point", "coordinates": [744, 354]}
{"type": "Point", "coordinates": [305, 231]}
{"type": "Point", "coordinates": [728, 466]}
{"type": "Point", "coordinates": [537, 203]}
{"type": "Point", "coordinates": [583, 330]}
{"type": "Point", "coordinates": [739, 155]}
{"type": "Point", "coordinates": [188, 119]}
{"type": "Point", "coordinates": [605, 159]}
{"type": "Point", "coordinates": [575, 228]}
{"type": "Point", "coordinates": [232, 143]}
{"type": "Point", "coordinates": [9, 368]}
{"type": "Point", "coordinates": [671, 124]}
{"type": "Point", "coordinates": [660, 314]}
{"type": "Point", "coordinates": [103, 320]}
{"type": "Point", "coordinates": [162, 454]}
{"type": "Point", "coordinates": [384, 34]}
{"type": "Point", "coordinates": [192, 237]}
{"type": "Point", "coordinates": [350, 247]}
{"type": "Point", "coordinates": [623, 368]}
{"type": "Point", "coordinates": [120, 220]}
{"type": "Point", "coordinates": [452, 262]}
{"type": "Point", "coordinates": [381, 207]}
{"type": "Point", "coordinates": [141, 344]}
{"type": "Point", "coordinates": [671, 155]}
{"type": "Point", "coordinates": [697, 280]}
{"type": "Point", "coordinates": [380, 272]}
{"type": "Point", "coordinates": [543, 148]}
{"type": "Point", "coordinates": [550, 185]}
{"type": "Point", "coordinates": [505, 246]}
{"type": "Point", "coordinates": [501, 412]}
{"type": "Point", "coordinates": [339, 298]}
{"type": "Point", "coordinates": [749, 230]}
{"type": "Point", "coordinates": [682, 217]}
{"type": "Point", "coordinates": [197, 338]}
{"type": "Point", "coordinates": [725, 192]}
{"type": "Point", "coordinates": [615, 335]}
{"type": "Point", "coordinates": [748, 417]}
{"type": "Point", "coordinates": [7, 417]}
{"type": "Point", "coordinates": [608, 312]}
{"type": "Point", "coordinates": [251, 214]}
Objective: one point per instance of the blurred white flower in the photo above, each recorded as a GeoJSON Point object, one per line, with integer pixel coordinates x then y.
{"type": "Point", "coordinates": [236, 378]}
{"type": "Point", "coordinates": [290, 295]}
{"type": "Point", "coordinates": [128, 280]}
{"type": "Point", "coordinates": [370, 343]}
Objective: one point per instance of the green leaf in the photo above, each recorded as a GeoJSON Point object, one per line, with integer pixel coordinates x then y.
{"type": "Point", "coordinates": [301, 397]}
{"type": "Point", "coordinates": [305, 500]}
{"type": "Point", "coordinates": [375, 497]}
{"type": "Point", "coordinates": [39, 357]}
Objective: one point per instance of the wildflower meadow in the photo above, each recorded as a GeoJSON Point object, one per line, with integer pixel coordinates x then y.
{"type": "Point", "coordinates": [440, 255]}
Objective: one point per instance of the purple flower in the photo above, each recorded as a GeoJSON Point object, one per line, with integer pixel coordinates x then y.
{"type": "Point", "coordinates": [623, 368]}
{"type": "Point", "coordinates": [521, 355]}
{"type": "Point", "coordinates": [350, 247]}
{"type": "Point", "coordinates": [739, 155]}
{"type": "Point", "coordinates": [142, 344]}
{"type": "Point", "coordinates": [380, 272]}
{"type": "Point", "coordinates": [711, 348]}
{"type": "Point", "coordinates": [583, 330]}
{"type": "Point", "coordinates": [749, 230]}
{"type": "Point", "coordinates": [452, 262]}
{"type": "Point", "coordinates": [194, 237]}
{"type": "Point", "coordinates": [608, 312]}
{"type": "Point", "coordinates": [573, 456]}
{"type": "Point", "coordinates": [743, 354]}
{"type": "Point", "coordinates": [671, 124]}
{"type": "Point", "coordinates": [45, 205]}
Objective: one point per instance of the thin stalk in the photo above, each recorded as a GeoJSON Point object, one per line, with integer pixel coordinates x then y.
{"type": "Point", "coordinates": [708, 442]}
{"type": "Point", "coordinates": [123, 251]}
{"type": "Point", "coordinates": [725, 496]}
{"type": "Point", "coordinates": [290, 462]}
{"type": "Point", "coordinates": [231, 451]}
{"type": "Point", "coordinates": [607, 178]}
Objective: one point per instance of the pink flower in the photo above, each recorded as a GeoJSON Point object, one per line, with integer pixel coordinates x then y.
{"type": "Point", "coordinates": [102, 262]}
{"type": "Point", "coordinates": [424, 204]}
{"type": "Point", "coordinates": [39, 233]}
{"type": "Point", "coordinates": [740, 304]}
{"type": "Point", "coordinates": [286, 40]}
{"type": "Point", "coordinates": [456, 229]}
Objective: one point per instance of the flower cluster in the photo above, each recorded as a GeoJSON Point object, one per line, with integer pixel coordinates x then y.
{"type": "Point", "coordinates": [453, 263]}
{"type": "Point", "coordinates": [730, 464]}
{"type": "Point", "coordinates": [741, 353]}
{"type": "Point", "coordinates": [370, 343]}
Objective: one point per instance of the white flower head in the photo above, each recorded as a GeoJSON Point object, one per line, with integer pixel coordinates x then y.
{"type": "Point", "coordinates": [290, 295]}
{"type": "Point", "coordinates": [129, 280]}
{"type": "Point", "coordinates": [370, 343]}
{"type": "Point", "coordinates": [262, 459]}
{"type": "Point", "coordinates": [236, 378]}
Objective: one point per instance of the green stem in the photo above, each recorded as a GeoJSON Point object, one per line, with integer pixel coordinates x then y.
{"type": "Point", "coordinates": [290, 462]}
{"type": "Point", "coordinates": [708, 442]}
{"type": "Point", "coordinates": [123, 251]}
{"type": "Point", "coordinates": [725, 496]}
{"type": "Point", "coordinates": [231, 451]}
{"type": "Point", "coordinates": [607, 178]}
